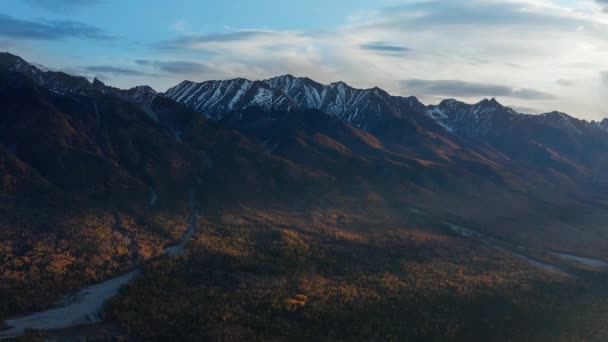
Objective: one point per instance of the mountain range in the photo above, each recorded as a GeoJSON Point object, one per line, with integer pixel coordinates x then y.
{"type": "Point", "coordinates": [95, 179]}
{"type": "Point", "coordinates": [487, 127]}
{"type": "Point", "coordinates": [485, 138]}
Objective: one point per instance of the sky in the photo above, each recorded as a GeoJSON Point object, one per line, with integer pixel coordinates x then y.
{"type": "Point", "coordinates": [533, 55]}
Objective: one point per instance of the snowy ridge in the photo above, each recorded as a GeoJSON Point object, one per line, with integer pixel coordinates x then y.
{"type": "Point", "coordinates": [302, 90]}
{"type": "Point", "coordinates": [355, 106]}
{"type": "Point", "coordinates": [215, 98]}
{"type": "Point", "coordinates": [359, 107]}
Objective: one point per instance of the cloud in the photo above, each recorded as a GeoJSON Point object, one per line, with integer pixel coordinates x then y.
{"type": "Point", "coordinates": [63, 6]}
{"type": "Point", "coordinates": [384, 48]}
{"type": "Point", "coordinates": [249, 53]}
{"type": "Point", "coordinates": [116, 71]}
{"type": "Point", "coordinates": [200, 41]}
{"type": "Point", "coordinates": [417, 15]}
{"type": "Point", "coordinates": [526, 110]}
{"type": "Point", "coordinates": [470, 89]}
{"type": "Point", "coordinates": [176, 67]}
{"type": "Point", "coordinates": [48, 29]}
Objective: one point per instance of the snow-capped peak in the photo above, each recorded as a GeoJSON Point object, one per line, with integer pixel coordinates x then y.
{"type": "Point", "coordinates": [216, 98]}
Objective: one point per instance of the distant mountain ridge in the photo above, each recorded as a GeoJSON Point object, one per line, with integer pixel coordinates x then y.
{"type": "Point", "coordinates": [69, 84]}
{"type": "Point", "coordinates": [362, 108]}
{"type": "Point", "coordinates": [478, 119]}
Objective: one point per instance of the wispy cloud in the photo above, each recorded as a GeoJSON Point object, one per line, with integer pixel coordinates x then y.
{"type": "Point", "coordinates": [200, 41]}
{"type": "Point", "coordinates": [474, 14]}
{"type": "Point", "coordinates": [248, 53]}
{"type": "Point", "coordinates": [384, 48]}
{"type": "Point", "coordinates": [526, 110]}
{"type": "Point", "coordinates": [470, 89]}
{"type": "Point", "coordinates": [116, 71]}
{"type": "Point", "coordinates": [177, 67]}
{"type": "Point", "coordinates": [49, 29]}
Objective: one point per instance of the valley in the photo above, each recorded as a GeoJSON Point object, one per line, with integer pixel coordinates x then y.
{"type": "Point", "coordinates": [317, 211]}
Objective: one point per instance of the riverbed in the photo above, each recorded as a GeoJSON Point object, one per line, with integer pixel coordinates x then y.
{"type": "Point", "coordinates": [470, 233]}
{"type": "Point", "coordinates": [86, 306]}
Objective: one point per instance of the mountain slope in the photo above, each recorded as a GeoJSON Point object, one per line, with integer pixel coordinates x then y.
{"type": "Point", "coordinates": [93, 185]}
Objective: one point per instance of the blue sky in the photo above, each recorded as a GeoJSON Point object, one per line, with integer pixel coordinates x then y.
{"type": "Point", "coordinates": [535, 55]}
